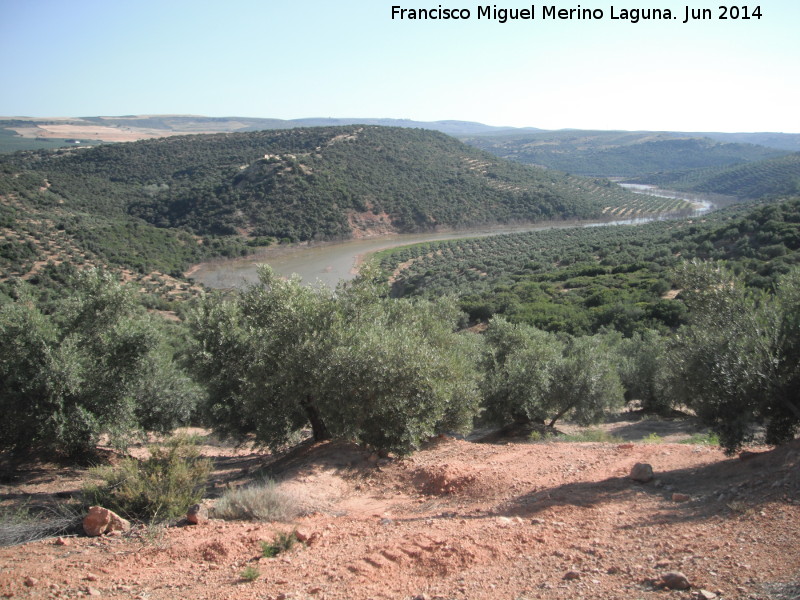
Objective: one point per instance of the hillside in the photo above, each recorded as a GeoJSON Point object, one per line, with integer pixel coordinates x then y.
{"type": "Point", "coordinates": [584, 280]}
{"type": "Point", "coordinates": [778, 176]}
{"type": "Point", "coordinates": [316, 183]}
{"type": "Point", "coordinates": [619, 153]}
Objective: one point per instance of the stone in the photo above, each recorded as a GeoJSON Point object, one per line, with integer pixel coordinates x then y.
{"type": "Point", "coordinates": [571, 575]}
{"type": "Point", "coordinates": [100, 520]}
{"type": "Point", "coordinates": [675, 580]}
{"type": "Point", "coordinates": [676, 497]}
{"type": "Point", "coordinates": [641, 472]}
{"type": "Point", "coordinates": [197, 514]}
{"type": "Point", "coordinates": [705, 595]}
{"type": "Point", "coordinates": [30, 581]}
{"type": "Point", "coordinates": [60, 541]}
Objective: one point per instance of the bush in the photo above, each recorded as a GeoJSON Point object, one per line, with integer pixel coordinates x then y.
{"type": "Point", "coordinates": [159, 488]}
{"type": "Point", "coordinates": [531, 376]}
{"type": "Point", "coordinates": [281, 543]}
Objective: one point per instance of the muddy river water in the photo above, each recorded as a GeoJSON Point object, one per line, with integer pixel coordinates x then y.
{"type": "Point", "coordinates": [330, 262]}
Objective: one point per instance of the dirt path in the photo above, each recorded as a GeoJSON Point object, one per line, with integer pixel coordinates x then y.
{"type": "Point", "coordinates": [463, 520]}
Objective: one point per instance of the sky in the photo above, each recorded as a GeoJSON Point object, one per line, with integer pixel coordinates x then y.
{"type": "Point", "coordinates": [350, 59]}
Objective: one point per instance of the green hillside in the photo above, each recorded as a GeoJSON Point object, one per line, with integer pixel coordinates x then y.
{"type": "Point", "coordinates": [584, 280]}
{"type": "Point", "coordinates": [315, 183]}
{"type": "Point", "coordinates": [619, 153]}
{"type": "Point", "coordinates": [773, 177]}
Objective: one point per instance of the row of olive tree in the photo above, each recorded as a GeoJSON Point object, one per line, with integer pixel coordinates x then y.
{"type": "Point", "coordinates": [355, 364]}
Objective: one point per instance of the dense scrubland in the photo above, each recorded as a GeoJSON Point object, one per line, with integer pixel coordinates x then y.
{"type": "Point", "coordinates": [699, 315]}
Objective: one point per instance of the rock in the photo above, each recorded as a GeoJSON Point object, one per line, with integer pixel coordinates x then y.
{"type": "Point", "coordinates": [90, 591]}
{"type": "Point", "coordinates": [676, 497]}
{"type": "Point", "coordinates": [303, 535]}
{"type": "Point", "coordinates": [30, 581]}
{"type": "Point", "coordinates": [100, 520]}
{"type": "Point", "coordinates": [675, 580]}
{"type": "Point", "coordinates": [571, 575]}
{"type": "Point", "coordinates": [60, 541]}
{"type": "Point", "coordinates": [641, 472]}
{"type": "Point", "coordinates": [705, 595]}
{"type": "Point", "coordinates": [197, 514]}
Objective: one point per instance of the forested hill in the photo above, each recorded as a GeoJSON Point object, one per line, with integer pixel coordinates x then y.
{"type": "Point", "coordinates": [310, 183]}
{"type": "Point", "coordinates": [773, 177]}
{"type": "Point", "coordinates": [619, 153]}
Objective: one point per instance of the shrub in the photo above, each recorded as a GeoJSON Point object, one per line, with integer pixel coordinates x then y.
{"type": "Point", "coordinates": [25, 524]}
{"type": "Point", "coordinates": [264, 501]}
{"type": "Point", "coordinates": [161, 487]}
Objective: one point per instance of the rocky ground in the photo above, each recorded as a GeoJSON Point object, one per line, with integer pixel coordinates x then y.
{"type": "Point", "coordinates": [457, 520]}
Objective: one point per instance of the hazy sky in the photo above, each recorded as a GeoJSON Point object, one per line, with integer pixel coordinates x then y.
{"type": "Point", "coordinates": [322, 58]}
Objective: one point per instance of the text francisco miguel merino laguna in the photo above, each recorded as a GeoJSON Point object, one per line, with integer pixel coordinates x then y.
{"type": "Point", "coordinates": [633, 15]}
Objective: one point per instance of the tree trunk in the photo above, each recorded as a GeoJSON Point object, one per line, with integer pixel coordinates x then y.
{"type": "Point", "coordinates": [318, 427]}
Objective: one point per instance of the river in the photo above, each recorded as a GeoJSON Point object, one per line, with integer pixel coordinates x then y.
{"type": "Point", "coordinates": [330, 262]}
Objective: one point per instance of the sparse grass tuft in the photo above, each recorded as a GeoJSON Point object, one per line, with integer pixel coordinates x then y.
{"type": "Point", "coordinates": [653, 438]}
{"type": "Point", "coordinates": [703, 439]}
{"type": "Point", "coordinates": [592, 435]}
{"type": "Point", "coordinates": [250, 574]}
{"type": "Point", "coordinates": [25, 524]}
{"type": "Point", "coordinates": [264, 501]}
{"type": "Point", "coordinates": [281, 543]}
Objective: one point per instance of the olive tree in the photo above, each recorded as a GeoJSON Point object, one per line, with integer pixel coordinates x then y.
{"type": "Point", "coordinates": [97, 365]}
{"type": "Point", "coordinates": [736, 362]}
{"type": "Point", "coordinates": [350, 364]}
{"type": "Point", "coordinates": [533, 377]}
{"type": "Point", "coordinates": [519, 364]}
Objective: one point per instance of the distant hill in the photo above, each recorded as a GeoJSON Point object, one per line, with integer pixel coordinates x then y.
{"type": "Point", "coordinates": [773, 177]}
{"type": "Point", "coordinates": [781, 141]}
{"type": "Point", "coordinates": [24, 133]}
{"type": "Point", "coordinates": [619, 153]}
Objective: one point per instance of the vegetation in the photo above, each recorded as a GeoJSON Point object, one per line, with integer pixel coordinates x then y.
{"type": "Point", "coordinates": [619, 153]}
{"type": "Point", "coordinates": [773, 177]}
{"type": "Point", "coordinates": [159, 488]}
{"type": "Point", "coordinates": [96, 365]}
{"type": "Point", "coordinates": [582, 281]}
{"type": "Point", "coordinates": [263, 501]}
{"type": "Point", "coordinates": [738, 361]}
{"type": "Point", "coordinates": [250, 573]}
{"type": "Point", "coordinates": [302, 184]}
{"type": "Point", "coordinates": [575, 321]}
{"type": "Point", "coordinates": [533, 377]}
{"type": "Point", "coordinates": [351, 365]}
{"type": "Point", "coordinates": [282, 543]}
